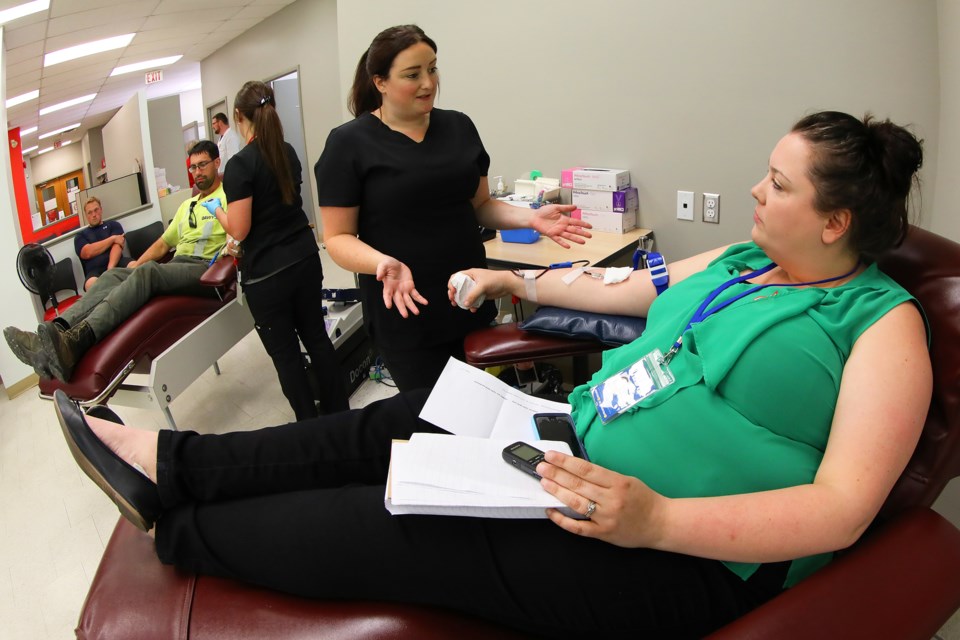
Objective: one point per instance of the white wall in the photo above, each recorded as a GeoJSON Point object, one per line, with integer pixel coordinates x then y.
{"type": "Point", "coordinates": [191, 109]}
{"type": "Point", "coordinates": [56, 163]}
{"type": "Point", "coordinates": [687, 94]}
{"type": "Point", "coordinates": [946, 214]}
{"type": "Point", "coordinates": [18, 309]}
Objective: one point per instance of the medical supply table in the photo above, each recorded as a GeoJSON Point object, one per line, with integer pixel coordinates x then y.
{"type": "Point", "coordinates": [601, 250]}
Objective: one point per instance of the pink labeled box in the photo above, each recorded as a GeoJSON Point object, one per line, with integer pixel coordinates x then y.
{"type": "Point", "coordinates": [619, 201]}
{"type": "Point", "coordinates": [610, 222]}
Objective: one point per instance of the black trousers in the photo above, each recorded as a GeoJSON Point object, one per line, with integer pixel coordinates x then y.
{"type": "Point", "coordinates": [287, 309]}
{"type": "Point", "coordinates": [299, 508]}
{"type": "Point", "coordinates": [421, 368]}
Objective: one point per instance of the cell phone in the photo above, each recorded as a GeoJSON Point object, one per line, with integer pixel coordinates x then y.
{"type": "Point", "coordinates": [524, 457]}
{"type": "Point", "coordinates": [559, 426]}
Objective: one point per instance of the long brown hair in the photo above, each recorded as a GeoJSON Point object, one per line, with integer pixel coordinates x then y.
{"type": "Point", "coordinates": [377, 60]}
{"type": "Point", "coordinates": [256, 102]}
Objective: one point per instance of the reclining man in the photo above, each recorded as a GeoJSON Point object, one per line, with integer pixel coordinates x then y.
{"type": "Point", "coordinates": [197, 236]}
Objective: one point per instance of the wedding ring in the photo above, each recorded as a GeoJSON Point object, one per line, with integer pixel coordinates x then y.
{"type": "Point", "coordinates": [591, 507]}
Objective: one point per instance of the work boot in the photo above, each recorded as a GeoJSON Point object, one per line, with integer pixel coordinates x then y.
{"type": "Point", "coordinates": [26, 346]}
{"type": "Point", "coordinates": [64, 348]}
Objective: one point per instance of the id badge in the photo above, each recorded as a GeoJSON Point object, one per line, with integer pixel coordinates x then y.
{"type": "Point", "coordinates": [642, 379]}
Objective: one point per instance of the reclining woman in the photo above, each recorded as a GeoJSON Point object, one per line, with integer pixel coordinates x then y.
{"type": "Point", "coordinates": [798, 398]}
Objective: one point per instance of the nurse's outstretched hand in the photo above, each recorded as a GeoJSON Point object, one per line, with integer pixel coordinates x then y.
{"type": "Point", "coordinates": [398, 287]}
{"type": "Point", "coordinates": [554, 221]}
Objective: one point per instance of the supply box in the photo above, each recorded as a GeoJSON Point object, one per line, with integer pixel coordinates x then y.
{"type": "Point", "coordinates": [620, 201]}
{"type": "Point", "coordinates": [601, 179]}
{"type": "Point", "coordinates": [610, 222]}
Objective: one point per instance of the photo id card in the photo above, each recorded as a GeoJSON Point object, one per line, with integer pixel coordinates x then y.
{"type": "Point", "coordinates": [626, 388]}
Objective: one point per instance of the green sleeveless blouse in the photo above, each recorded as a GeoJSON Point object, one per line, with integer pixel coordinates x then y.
{"type": "Point", "coordinates": [757, 385]}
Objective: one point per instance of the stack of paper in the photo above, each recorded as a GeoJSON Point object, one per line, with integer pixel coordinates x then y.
{"type": "Point", "coordinates": [457, 475]}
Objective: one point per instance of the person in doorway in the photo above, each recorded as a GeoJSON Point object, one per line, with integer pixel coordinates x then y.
{"type": "Point", "coordinates": [280, 264]}
{"type": "Point", "coordinates": [402, 190]}
{"type": "Point", "coordinates": [229, 142]}
{"type": "Point", "coordinates": [100, 244]}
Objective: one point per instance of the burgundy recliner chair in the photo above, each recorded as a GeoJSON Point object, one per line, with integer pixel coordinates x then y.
{"type": "Point", "coordinates": [901, 580]}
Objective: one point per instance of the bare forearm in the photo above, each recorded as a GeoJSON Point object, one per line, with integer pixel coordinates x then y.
{"type": "Point", "coordinates": [96, 248]}
{"type": "Point", "coordinates": [760, 527]}
{"type": "Point", "coordinates": [353, 254]}
{"type": "Point", "coordinates": [495, 214]}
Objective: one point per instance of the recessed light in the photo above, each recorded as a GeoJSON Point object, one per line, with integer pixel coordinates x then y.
{"type": "Point", "coordinates": [68, 103]}
{"type": "Point", "coordinates": [26, 132]}
{"type": "Point", "coordinates": [25, 9]}
{"type": "Point", "coordinates": [87, 49]}
{"type": "Point", "coordinates": [23, 97]}
{"type": "Point", "coordinates": [149, 64]}
{"type": "Point", "coordinates": [33, 148]}
{"type": "Point", "coordinates": [61, 130]}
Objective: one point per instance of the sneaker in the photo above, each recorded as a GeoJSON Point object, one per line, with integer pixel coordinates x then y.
{"type": "Point", "coordinates": [28, 349]}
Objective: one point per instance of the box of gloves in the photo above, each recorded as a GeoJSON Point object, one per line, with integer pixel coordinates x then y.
{"type": "Point", "coordinates": [610, 221]}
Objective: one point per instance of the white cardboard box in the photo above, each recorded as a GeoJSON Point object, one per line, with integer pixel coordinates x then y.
{"type": "Point", "coordinates": [610, 222]}
{"type": "Point", "coordinates": [620, 201]}
{"type": "Point", "coordinates": [602, 179]}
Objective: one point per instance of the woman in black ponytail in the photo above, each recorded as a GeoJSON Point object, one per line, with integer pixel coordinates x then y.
{"type": "Point", "coordinates": [280, 267]}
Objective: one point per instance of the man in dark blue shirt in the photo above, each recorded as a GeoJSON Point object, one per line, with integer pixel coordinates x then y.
{"type": "Point", "coordinates": [100, 245]}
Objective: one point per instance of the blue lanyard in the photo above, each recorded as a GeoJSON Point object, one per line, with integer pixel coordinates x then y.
{"type": "Point", "coordinates": [704, 311]}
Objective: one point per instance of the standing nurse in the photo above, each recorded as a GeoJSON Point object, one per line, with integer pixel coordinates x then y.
{"type": "Point", "coordinates": [402, 188]}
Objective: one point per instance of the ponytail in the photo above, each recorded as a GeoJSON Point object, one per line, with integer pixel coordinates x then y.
{"type": "Point", "coordinates": [364, 96]}
{"type": "Point", "coordinates": [256, 102]}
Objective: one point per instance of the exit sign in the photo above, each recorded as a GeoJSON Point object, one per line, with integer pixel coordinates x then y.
{"type": "Point", "coordinates": [154, 76]}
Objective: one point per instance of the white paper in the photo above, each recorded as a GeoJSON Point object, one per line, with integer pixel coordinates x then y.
{"type": "Point", "coordinates": [467, 401]}
{"type": "Point", "coordinates": [443, 474]}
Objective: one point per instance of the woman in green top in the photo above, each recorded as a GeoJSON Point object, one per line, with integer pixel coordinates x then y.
{"type": "Point", "coordinates": [800, 383]}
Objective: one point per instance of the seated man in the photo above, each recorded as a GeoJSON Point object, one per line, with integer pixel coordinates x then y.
{"type": "Point", "coordinates": [100, 245]}
{"type": "Point", "coordinates": [197, 236]}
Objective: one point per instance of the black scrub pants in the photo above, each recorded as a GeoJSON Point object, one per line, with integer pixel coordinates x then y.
{"type": "Point", "coordinates": [299, 508]}
{"type": "Point", "coordinates": [287, 308]}
{"type": "Point", "coordinates": [422, 367]}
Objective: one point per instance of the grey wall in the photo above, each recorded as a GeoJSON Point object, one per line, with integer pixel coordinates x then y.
{"type": "Point", "coordinates": [303, 34]}
{"type": "Point", "coordinates": [687, 94]}
{"type": "Point", "coordinates": [166, 139]}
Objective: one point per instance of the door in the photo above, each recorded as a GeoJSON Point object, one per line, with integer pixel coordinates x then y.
{"type": "Point", "coordinates": [287, 91]}
{"type": "Point", "coordinates": [57, 198]}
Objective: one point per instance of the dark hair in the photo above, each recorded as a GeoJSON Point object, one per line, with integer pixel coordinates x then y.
{"type": "Point", "coordinates": [207, 147]}
{"type": "Point", "coordinates": [377, 60]}
{"type": "Point", "coordinates": [256, 102]}
{"type": "Point", "coordinates": [867, 166]}
{"type": "Point", "coordinates": [222, 117]}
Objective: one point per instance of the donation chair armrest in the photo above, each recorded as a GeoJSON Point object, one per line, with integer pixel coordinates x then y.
{"type": "Point", "coordinates": [508, 344]}
{"type": "Point", "coordinates": [220, 274]}
{"type": "Point", "coordinates": [899, 581]}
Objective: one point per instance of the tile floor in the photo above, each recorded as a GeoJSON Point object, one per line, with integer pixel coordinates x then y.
{"type": "Point", "coordinates": [54, 522]}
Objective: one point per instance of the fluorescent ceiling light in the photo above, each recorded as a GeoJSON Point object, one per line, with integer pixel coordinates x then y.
{"type": "Point", "coordinates": [53, 133]}
{"type": "Point", "coordinates": [25, 9]}
{"type": "Point", "coordinates": [87, 49]}
{"type": "Point", "coordinates": [33, 148]}
{"type": "Point", "coordinates": [23, 97]}
{"type": "Point", "coordinates": [68, 103]}
{"type": "Point", "coordinates": [149, 64]}
{"type": "Point", "coordinates": [26, 132]}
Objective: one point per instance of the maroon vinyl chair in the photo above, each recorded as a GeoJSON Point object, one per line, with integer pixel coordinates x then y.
{"type": "Point", "coordinates": [901, 580]}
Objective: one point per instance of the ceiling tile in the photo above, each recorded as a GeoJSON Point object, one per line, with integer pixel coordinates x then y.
{"type": "Point", "coordinates": [105, 20]}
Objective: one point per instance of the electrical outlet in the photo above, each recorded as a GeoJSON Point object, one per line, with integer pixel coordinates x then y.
{"type": "Point", "coordinates": [711, 208]}
{"type": "Point", "coordinates": [685, 205]}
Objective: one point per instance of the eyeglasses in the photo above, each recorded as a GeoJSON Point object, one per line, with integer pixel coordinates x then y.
{"type": "Point", "coordinates": [192, 220]}
{"type": "Point", "coordinates": [200, 166]}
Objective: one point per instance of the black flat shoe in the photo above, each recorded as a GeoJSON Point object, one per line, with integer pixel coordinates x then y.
{"type": "Point", "coordinates": [133, 493]}
{"type": "Point", "coordinates": [104, 412]}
